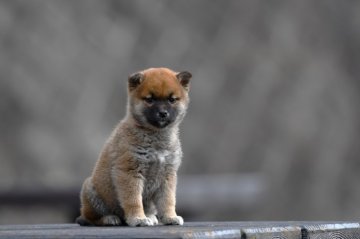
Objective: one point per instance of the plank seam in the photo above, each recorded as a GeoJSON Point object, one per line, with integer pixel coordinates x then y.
{"type": "Point", "coordinates": [304, 233]}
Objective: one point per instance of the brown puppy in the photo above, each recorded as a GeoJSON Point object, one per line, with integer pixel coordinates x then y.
{"type": "Point", "coordinates": [134, 180]}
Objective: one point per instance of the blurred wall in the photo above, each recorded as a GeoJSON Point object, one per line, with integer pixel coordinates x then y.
{"type": "Point", "coordinates": [275, 92]}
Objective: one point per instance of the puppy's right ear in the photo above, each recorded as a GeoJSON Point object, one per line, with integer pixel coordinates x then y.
{"type": "Point", "coordinates": [135, 80]}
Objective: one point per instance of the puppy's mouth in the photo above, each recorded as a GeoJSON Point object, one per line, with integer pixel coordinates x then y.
{"type": "Point", "coordinates": [161, 123]}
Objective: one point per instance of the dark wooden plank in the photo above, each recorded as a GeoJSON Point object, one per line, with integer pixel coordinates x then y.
{"type": "Point", "coordinates": [243, 230]}
{"type": "Point", "coordinates": [283, 232]}
{"type": "Point", "coordinates": [323, 230]}
{"type": "Point", "coordinates": [75, 231]}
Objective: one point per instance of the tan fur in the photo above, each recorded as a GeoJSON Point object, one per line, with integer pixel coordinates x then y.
{"type": "Point", "coordinates": [134, 180]}
{"type": "Point", "coordinates": [161, 88]}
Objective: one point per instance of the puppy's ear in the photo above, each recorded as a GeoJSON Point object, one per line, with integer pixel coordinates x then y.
{"type": "Point", "coordinates": [135, 80]}
{"type": "Point", "coordinates": [184, 78]}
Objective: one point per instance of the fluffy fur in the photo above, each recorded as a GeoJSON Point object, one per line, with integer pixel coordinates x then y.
{"type": "Point", "coordinates": [134, 180]}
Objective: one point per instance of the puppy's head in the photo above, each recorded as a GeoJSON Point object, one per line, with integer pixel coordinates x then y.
{"type": "Point", "coordinates": [158, 97]}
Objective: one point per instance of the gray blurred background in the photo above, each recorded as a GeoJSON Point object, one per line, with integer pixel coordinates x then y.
{"type": "Point", "coordinates": [272, 132]}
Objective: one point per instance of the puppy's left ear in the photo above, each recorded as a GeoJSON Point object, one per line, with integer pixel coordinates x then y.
{"type": "Point", "coordinates": [135, 80]}
{"type": "Point", "coordinates": [184, 78]}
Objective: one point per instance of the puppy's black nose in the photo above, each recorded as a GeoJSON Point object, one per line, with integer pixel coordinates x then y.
{"type": "Point", "coordinates": [163, 114]}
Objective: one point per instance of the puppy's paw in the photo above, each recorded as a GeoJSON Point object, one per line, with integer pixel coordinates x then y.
{"type": "Point", "coordinates": [139, 222]}
{"type": "Point", "coordinates": [172, 220]}
{"type": "Point", "coordinates": [110, 220]}
{"type": "Point", "coordinates": [153, 219]}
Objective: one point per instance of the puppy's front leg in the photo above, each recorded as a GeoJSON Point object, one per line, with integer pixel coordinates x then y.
{"type": "Point", "coordinates": [166, 200]}
{"type": "Point", "coordinates": [129, 190]}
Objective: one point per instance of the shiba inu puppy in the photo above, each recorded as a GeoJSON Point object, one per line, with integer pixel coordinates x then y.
{"type": "Point", "coordinates": [134, 180]}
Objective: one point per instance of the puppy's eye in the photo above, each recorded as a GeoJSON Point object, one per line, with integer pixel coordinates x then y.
{"type": "Point", "coordinates": [149, 100]}
{"type": "Point", "coordinates": [172, 100]}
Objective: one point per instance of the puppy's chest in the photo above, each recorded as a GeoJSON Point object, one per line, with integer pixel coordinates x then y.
{"type": "Point", "coordinates": [156, 161]}
{"type": "Point", "coordinates": [155, 153]}
{"type": "Point", "coordinates": [154, 166]}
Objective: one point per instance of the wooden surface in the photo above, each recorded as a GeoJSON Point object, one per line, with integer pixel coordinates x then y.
{"type": "Point", "coordinates": [243, 230]}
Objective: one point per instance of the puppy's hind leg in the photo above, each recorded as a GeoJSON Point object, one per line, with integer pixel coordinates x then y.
{"type": "Point", "coordinates": [93, 210]}
{"type": "Point", "coordinates": [109, 220]}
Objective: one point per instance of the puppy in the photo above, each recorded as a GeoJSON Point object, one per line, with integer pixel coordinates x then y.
{"type": "Point", "coordinates": [134, 180]}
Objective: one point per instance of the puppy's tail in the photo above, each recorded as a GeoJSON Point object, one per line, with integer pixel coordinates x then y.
{"type": "Point", "coordinates": [83, 221]}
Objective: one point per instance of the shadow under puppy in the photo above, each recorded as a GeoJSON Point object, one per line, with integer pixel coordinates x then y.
{"type": "Point", "coordinates": [134, 180]}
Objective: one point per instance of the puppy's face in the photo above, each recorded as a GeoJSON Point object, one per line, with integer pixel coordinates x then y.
{"type": "Point", "coordinates": [158, 97]}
